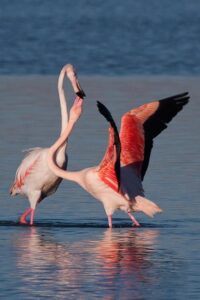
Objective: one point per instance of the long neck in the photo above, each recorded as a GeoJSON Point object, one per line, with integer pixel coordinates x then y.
{"type": "Point", "coordinates": [63, 102]}
{"type": "Point", "coordinates": [73, 176]}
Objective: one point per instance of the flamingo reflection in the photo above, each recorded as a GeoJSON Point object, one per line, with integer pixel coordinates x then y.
{"type": "Point", "coordinates": [126, 253]}
{"type": "Point", "coordinates": [117, 257]}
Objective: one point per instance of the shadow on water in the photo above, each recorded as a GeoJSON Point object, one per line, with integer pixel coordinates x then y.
{"type": "Point", "coordinates": [100, 224]}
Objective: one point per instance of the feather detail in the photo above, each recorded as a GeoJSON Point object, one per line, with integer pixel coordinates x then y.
{"type": "Point", "coordinates": [22, 177]}
{"type": "Point", "coordinates": [112, 156]}
{"type": "Point", "coordinates": [132, 140]}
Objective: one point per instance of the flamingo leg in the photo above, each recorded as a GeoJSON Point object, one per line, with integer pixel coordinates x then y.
{"type": "Point", "coordinates": [110, 221]}
{"type": "Point", "coordinates": [133, 219]}
{"type": "Point", "coordinates": [32, 216]}
{"type": "Point", "coordinates": [22, 219]}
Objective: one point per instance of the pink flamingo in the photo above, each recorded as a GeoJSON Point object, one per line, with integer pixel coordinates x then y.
{"type": "Point", "coordinates": [33, 178]}
{"type": "Point", "coordinates": [117, 180]}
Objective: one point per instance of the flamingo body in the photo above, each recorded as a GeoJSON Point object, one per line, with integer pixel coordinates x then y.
{"type": "Point", "coordinates": [34, 179]}
{"type": "Point", "coordinates": [117, 180]}
{"type": "Point", "coordinates": [33, 174]}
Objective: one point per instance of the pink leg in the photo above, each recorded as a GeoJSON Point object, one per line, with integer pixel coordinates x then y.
{"type": "Point", "coordinates": [133, 219]}
{"type": "Point", "coordinates": [32, 216]}
{"type": "Point", "coordinates": [24, 215]}
{"type": "Point", "coordinates": [110, 221]}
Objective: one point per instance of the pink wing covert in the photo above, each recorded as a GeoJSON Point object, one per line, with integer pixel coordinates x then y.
{"type": "Point", "coordinates": [132, 141]}
{"type": "Point", "coordinates": [132, 135]}
{"type": "Point", "coordinates": [132, 144]}
{"type": "Point", "coordinates": [106, 168]}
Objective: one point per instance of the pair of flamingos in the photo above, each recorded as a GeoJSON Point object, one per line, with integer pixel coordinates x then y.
{"type": "Point", "coordinates": [117, 180]}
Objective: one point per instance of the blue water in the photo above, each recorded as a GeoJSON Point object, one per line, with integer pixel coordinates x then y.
{"type": "Point", "coordinates": [96, 263]}
{"type": "Point", "coordinates": [70, 253]}
{"type": "Point", "coordinates": [110, 37]}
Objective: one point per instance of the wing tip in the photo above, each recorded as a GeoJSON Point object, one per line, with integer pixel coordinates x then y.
{"type": "Point", "coordinates": [106, 113]}
{"type": "Point", "coordinates": [102, 109]}
{"type": "Point", "coordinates": [177, 101]}
{"type": "Point", "coordinates": [179, 97]}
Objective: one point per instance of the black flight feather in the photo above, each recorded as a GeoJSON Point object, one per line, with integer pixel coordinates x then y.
{"type": "Point", "coordinates": [168, 108]}
{"type": "Point", "coordinates": [107, 115]}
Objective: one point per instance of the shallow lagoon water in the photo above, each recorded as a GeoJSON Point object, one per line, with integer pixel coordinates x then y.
{"type": "Point", "coordinates": [110, 37]}
{"type": "Point", "coordinates": [70, 253]}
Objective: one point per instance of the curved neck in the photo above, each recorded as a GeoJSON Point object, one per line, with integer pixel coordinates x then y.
{"type": "Point", "coordinates": [63, 102]}
{"type": "Point", "coordinates": [52, 152]}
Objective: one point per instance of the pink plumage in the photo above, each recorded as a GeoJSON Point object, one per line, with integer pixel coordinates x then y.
{"type": "Point", "coordinates": [34, 179]}
{"type": "Point", "coordinates": [117, 180]}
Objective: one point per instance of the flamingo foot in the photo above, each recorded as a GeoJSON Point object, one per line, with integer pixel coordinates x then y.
{"type": "Point", "coordinates": [133, 219]}
{"type": "Point", "coordinates": [23, 220]}
{"type": "Point", "coordinates": [110, 221]}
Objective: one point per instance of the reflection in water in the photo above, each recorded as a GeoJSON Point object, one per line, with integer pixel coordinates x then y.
{"type": "Point", "coordinates": [111, 264]}
{"type": "Point", "coordinates": [125, 258]}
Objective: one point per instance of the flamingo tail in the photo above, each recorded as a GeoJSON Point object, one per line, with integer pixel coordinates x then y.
{"type": "Point", "coordinates": [146, 206]}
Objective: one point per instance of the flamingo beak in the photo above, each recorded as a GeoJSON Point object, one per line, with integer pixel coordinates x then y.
{"type": "Point", "coordinates": [81, 94]}
{"type": "Point", "coordinates": [75, 82]}
{"type": "Point", "coordinates": [79, 91]}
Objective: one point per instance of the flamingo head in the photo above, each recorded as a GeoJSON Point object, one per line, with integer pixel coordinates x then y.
{"type": "Point", "coordinates": [72, 75]}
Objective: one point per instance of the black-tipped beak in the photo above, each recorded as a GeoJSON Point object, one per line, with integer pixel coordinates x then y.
{"type": "Point", "coordinates": [81, 94]}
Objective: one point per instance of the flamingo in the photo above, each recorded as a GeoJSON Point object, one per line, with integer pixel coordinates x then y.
{"type": "Point", "coordinates": [33, 178]}
{"type": "Point", "coordinates": [117, 180]}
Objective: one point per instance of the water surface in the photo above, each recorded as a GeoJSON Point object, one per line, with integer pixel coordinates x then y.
{"type": "Point", "coordinates": [70, 253]}
{"type": "Point", "coordinates": [111, 37]}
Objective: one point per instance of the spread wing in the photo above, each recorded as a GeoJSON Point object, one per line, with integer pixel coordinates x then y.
{"type": "Point", "coordinates": [109, 168]}
{"type": "Point", "coordinates": [141, 125]}
{"type": "Point", "coordinates": [167, 109]}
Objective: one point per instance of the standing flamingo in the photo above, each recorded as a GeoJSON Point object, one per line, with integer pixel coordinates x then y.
{"type": "Point", "coordinates": [117, 180]}
{"type": "Point", "coordinates": [33, 178]}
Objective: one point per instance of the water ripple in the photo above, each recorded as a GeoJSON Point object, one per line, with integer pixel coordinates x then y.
{"type": "Point", "coordinates": [63, 224]}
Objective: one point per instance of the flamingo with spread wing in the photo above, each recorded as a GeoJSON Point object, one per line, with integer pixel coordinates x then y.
{"type": "Point", "coordinates": [34, 179]}
{"type": "Point", "coordinates": [117, 180]}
